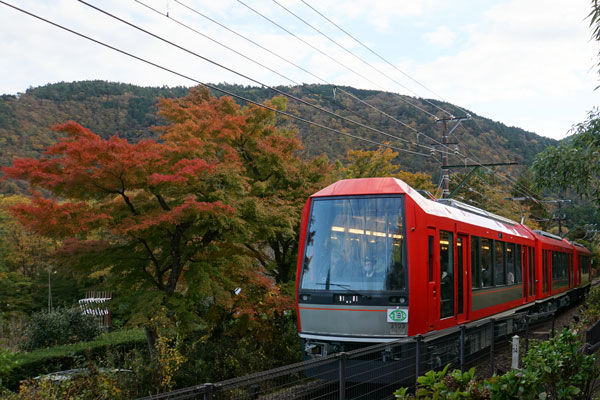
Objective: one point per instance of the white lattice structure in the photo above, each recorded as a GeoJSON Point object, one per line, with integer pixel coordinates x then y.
{"type": "Point", "coordinates": [91, 305]}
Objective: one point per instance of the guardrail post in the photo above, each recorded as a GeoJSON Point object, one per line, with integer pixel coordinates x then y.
{"type": "Point", "coordinates": [526, 334]}
{"type": "Point", "coordinates": [462, 347]}
{"type": "Point", "coordinates": [418, 359]}
{"type": "Point", "coordinates": [515, 352]}
{"type": "Point", "coordinates": [492, 337]}
{"type": "Point", "coordinates": [208, 395]}
{"type": "Point", "coordinates": [342, 375]}
{"type": "Point", "coordinates": [586, 349]}
{"type": "Point", "coordinates": [253, 392]}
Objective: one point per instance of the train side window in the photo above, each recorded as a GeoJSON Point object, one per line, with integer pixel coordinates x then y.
{"type": "Point", "coordinates": [446, 275]}
{"type": "Point", "coordinates": [486, 262]}
{"type": "Point", "coordinates": [571, 274]}
{"type": "Point", "coordinates": [499, 267]}
{"type": "Point", "coordinates": [430, 258]}
{"type": "Point", "coordinates": [518, 264]}
{"type": "Point", "coordinates": [545, 277]}
{"type": "Point", "coordinates": [510, 264]}
{"type": "Point", "coordinates": [532, 261]}
{"type": "Point", "coordinates": [475, 262]}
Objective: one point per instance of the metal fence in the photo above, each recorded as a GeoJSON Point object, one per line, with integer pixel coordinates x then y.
{"type": "Point", "coordinates": [375, 372]}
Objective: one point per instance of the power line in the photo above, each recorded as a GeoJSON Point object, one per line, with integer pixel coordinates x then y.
{"type": "Point", "coordinates": [217, 42]}
{"type": "Point", "coordinates": [362, 60]}
{"type": "Point", "coordinates": [402, 72]}
{"type": "Point", "coordinates": [389, 63]}
{"type": "Point", "coordinates": [249, 78]}
{"type": "Point", "coordinates": [374, 53]}
{"type": "Point", "coordinates": [205, 84]}
{"type": "Point", "coordinates": [287, 78]}
{"type": "Point", "coordinates": [393, 66]}
{"type": "Point", "coordinates": [232, 94]}
{"type": "Point", "coordinates": [307, 71]}
{"type": "Point", "coordinates": [327, 55]}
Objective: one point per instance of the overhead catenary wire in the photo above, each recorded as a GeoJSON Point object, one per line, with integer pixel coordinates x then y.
{"type": "Point", "coordinates": [289, 32]}
{"type": "Point", "coordinates": [363, 61]}
{"type": "Point", "coordinates": [255, 81]}
{"type": "Point", "coordinates": [518, 186]}
{"type": "Point", "coordinates": [475, 159]}
{"type": "Point", "coordinates": [240, 97]}
{"type": "Point", "coordinates": [305, 70]}
{"type": "Point", "coordinates": [393, 66]}
{"type": "Point", "coordinates": [327, 55]}
{"type": "Point", "coordinates": [491, 187]}
{"type": "Point", "coordinates": [291, 80]}
{"type": "Point", "coordinates": [374, 53]}
{"type": "Point", "coordinates": [141, 59]}
{"type": "Point", "coordinates": [345, 119]}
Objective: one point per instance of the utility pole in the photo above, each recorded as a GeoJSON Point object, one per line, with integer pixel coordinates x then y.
{"type": "Point", "coordinates": [445, 134]}
{"type": "Point", "coordinates": [520, 199]}
{"type": "Point", "coordinates": [560, 217]}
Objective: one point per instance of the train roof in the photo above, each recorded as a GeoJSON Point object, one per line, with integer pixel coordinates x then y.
{"type": "Point", "coordinates": [551, 239]}
{"type": "Point", "coordinates": [366, 186]}
{"type": "Point", "coordinates": [581, 248]}
{"type": "Point", "coordinates": [453, 209]}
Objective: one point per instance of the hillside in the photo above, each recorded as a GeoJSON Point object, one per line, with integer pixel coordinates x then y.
{"type": "Point", "coordinates": [130, 111]}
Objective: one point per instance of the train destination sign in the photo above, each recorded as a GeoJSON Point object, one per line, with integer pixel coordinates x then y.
{"type": "Point", "coordinates": [397, 315]}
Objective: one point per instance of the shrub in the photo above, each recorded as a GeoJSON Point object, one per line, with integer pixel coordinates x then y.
{"type": "Point", "coordinates": [62, 326]}
{"type": "Point", "coordinates": [7, 362]}
{"type": "Point", "coordinates": [561, 368]}
{"type": "Point", "coordinates": [554, 369]}
{"type": "Point", "coordinates": [513, 385]}
{"type": "Point", "coordinates": [90, 384]}
{"type": "Point", "coordinates": [591, 309]}
{"type": "Point", "coordinates": [65, 357]}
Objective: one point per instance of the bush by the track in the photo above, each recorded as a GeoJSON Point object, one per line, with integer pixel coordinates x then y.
{"type": "Point", "coordinates": [42, 361]}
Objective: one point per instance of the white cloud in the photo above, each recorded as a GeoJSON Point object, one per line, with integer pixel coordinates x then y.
{"type": "Point", "coordinates": [521, 59]}
{"type": "Point", "coordinates": [442, 36]}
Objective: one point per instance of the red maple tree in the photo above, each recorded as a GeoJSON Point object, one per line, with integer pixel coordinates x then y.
{"type": "Point", "coordinates": [167, 221]}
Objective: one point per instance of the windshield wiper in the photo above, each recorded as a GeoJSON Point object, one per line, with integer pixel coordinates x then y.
{"type": "Point", "coordinates": [343, 286]}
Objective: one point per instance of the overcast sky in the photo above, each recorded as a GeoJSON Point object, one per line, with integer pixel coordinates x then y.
{"type": "Point", "coordinates": [526, 63]}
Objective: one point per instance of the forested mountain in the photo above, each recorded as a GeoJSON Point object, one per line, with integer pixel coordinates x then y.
{"type": "Point", "coordinates": [130, 111]}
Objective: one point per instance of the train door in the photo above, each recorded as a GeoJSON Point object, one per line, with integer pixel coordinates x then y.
{"type": "Point", "coordinates": [462, 277]}
{"type": "Point", "coordinates": [432, 290]}
{"type": "Point", "coordinates": [447, 277]}
{"type": "Point", "coordinates": [452, 278]}
{"type": "Point", "coordinates": [529, 263]}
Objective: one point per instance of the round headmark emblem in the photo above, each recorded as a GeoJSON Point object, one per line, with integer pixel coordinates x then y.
{"type": "Point", "coordinates": [397, 315]}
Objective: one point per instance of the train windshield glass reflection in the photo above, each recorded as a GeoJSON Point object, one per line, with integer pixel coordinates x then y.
{"type": "Point", "coordinates": [355, 244]}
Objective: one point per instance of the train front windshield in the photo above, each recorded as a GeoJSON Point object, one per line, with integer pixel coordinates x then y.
{"type": "Point", "coordinates": [356, 244]}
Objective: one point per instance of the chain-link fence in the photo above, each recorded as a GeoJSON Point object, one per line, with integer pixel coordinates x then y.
{"type": "Point", "coordinates": [375, 372]}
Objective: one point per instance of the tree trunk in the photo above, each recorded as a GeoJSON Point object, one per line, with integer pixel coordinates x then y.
{"type": "Point", "coordinates": [151, 337]}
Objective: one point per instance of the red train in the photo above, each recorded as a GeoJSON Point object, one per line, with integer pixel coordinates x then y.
{"type": "Point", "coordinates": [378, 262]}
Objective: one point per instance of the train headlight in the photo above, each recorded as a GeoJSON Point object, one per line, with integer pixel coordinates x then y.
{"type": "Point", "coordinates": [305, 297]}
{"type": "Point", "coordinates": [398, 300]}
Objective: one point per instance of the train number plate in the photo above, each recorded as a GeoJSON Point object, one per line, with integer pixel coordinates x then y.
{"type": "Point", "coordinates": [346, 298]}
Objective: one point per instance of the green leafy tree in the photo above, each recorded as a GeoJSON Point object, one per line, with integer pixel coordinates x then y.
{"type": "Point", "coordinates": [379, 163]}
{"type": "Point", "coordinates": [575, 163]}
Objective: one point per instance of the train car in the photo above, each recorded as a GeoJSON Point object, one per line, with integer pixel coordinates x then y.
{"type": "Point", "coordinates": [378, 262]}
{"type": "Point", "coordinates": [583, 260]}
{"type": "Point", "coordinates": [555, 269]}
